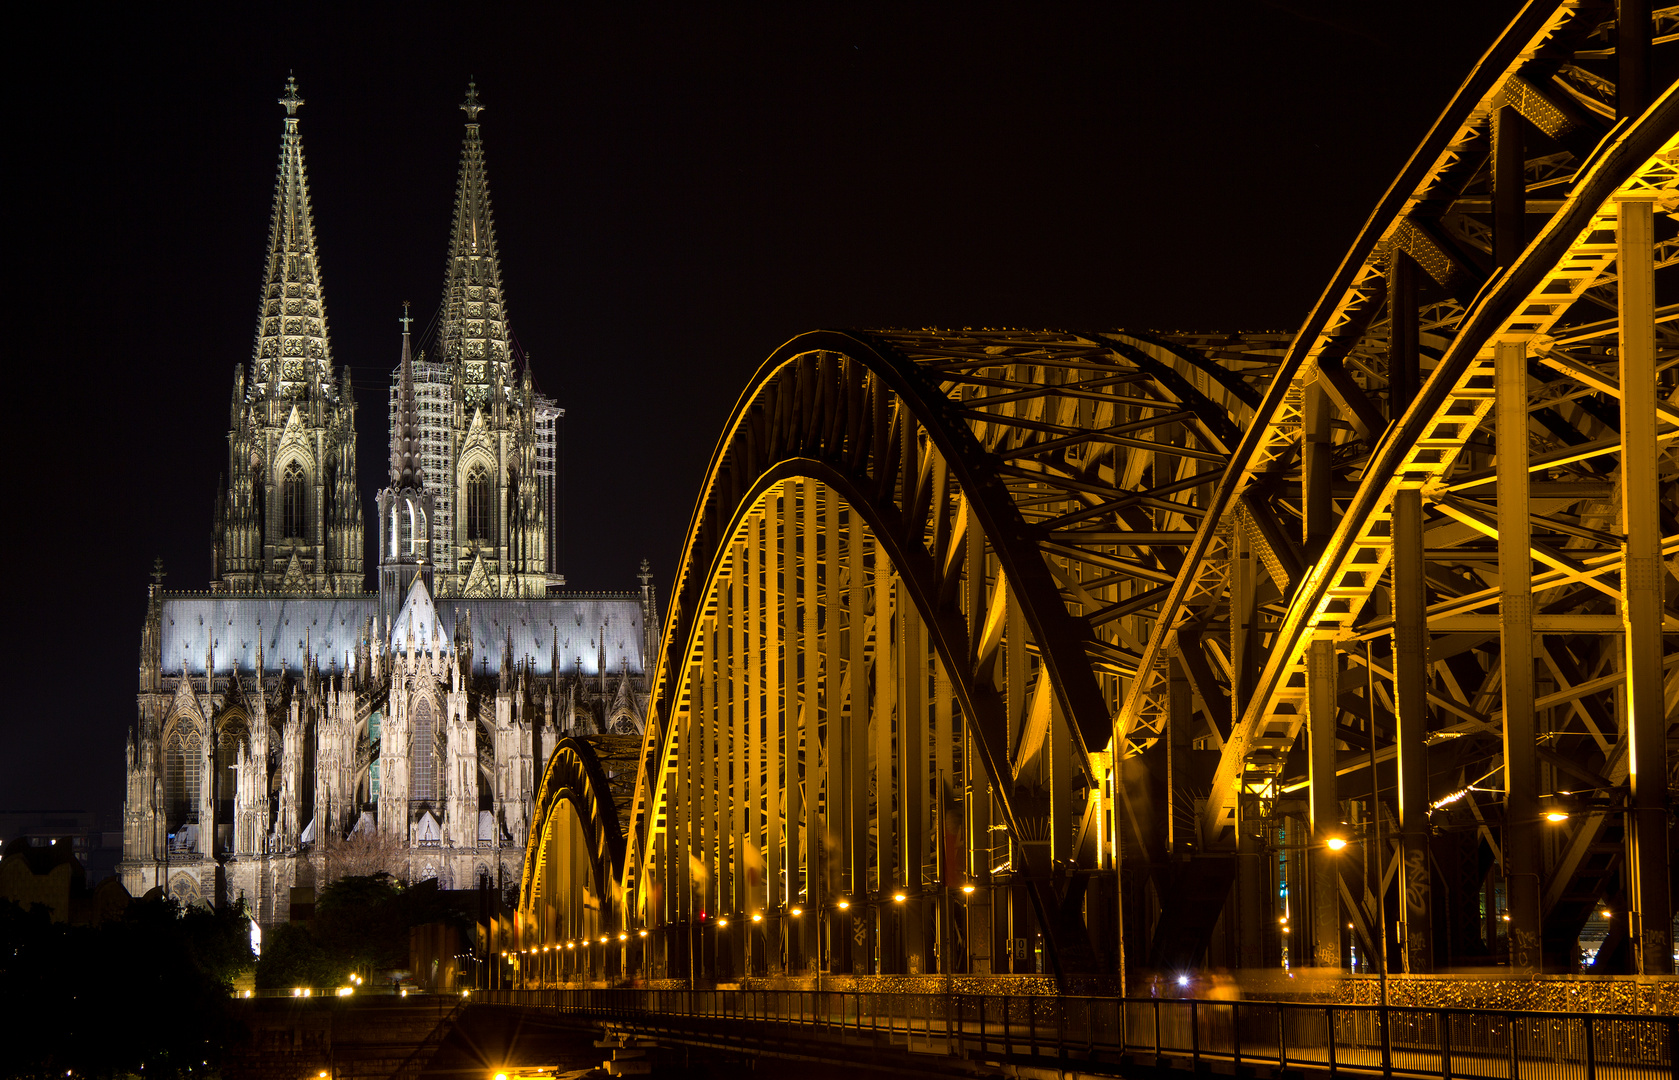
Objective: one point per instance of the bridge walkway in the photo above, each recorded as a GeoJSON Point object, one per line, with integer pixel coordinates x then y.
{"type": "Point", "coordinates": [1111, 1035]}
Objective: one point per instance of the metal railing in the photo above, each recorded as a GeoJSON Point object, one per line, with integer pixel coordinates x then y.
{"type": "Point", "coordinates": [1474, 1044]}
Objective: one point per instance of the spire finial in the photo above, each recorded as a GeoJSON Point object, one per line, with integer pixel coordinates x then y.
{"type": "Point", "coordinates": [291, 101]}
{"type": "Point", "coordinates": [405, 320]}
{"type": "Point", "coordinates": [471, 106]}
{"type": "Point", "coordinates": [158, 572]}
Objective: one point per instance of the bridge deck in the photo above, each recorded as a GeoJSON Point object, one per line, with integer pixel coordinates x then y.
{"type": "Point", "coordinates": [1108, 1035]}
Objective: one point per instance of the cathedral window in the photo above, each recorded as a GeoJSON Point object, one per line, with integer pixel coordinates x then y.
{"type": "Point", "coordinates": [183, 776]}
{"type": "Point", "coordinates": [293, 502]}
{"type": "Point", "coordinates": [422, 785]}
{"type": "Point", "coordinates": [478, 505]}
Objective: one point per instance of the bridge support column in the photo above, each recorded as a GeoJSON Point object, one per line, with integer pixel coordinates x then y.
{"type": "Point", "coordinates": [1515, 570]}
{"type": "Point", "coordinates": [1322, 692]}
{"type": "Point", "coordinates": [1643, 594]}
{"type": "Point", "coordinates": [1410, 687]}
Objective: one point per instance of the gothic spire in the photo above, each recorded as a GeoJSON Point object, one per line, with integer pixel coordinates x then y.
{"type": "Point", "coordinates": [406, 471]}
{"type": "Point", "coordinates": [291, 342]}
{"type": "Point", "coordinates": [473, 327]}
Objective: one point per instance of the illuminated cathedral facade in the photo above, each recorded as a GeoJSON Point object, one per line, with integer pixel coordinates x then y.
{"type": "Point", "coordinates": [288, 717]}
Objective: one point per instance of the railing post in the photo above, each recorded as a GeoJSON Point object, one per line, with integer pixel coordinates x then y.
{"type": "Point", "coordinates": [1591, 1050]}
{"type": "Point", "coordinates": [1282, 1038]}
{"type": "Point", "coordinates": [1236, 1035]}
{"type": "Point", "coordinates": [1515, 1066]}
{"type": "Point", "coordinates": [1195, 1034]}
{"type": "Point", "coordinates": [1329, 1041]}
{"type": "Point", "coordinates": [1157, 1032]}
{"type": "Point", "coordinates": [1446, 1046]}
{"type": "Point", "coordinates": [1387, 1043]}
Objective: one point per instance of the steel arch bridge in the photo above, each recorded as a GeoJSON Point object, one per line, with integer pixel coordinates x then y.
{"type": "Point", "coordinates": [1000, 651]}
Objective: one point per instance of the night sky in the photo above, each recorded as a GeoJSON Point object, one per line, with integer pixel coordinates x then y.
{"type": "Point", "coordinates": [677, 191]}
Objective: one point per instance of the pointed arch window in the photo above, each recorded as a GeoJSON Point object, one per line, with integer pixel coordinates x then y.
{"type": "Point", "coordinates": [294, 502]}
{"type": "Point", "coordinates": [183, 776]}
{"type": "Point", "coordinates": [478, 505]}
{"type": "Point", "coordinates": [422, 784]}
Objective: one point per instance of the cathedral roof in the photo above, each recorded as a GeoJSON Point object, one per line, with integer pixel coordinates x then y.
{"type": "Point", "coordinates": [234, 628]}
{"type": "Point", "coordinates": [591, 634]}
{"type": "Point", "coordinates": [473, 325]}
{"type": "Point", "coordinates": [291, 342]}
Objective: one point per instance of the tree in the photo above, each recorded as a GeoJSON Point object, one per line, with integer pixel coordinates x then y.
{"type": "Point", "coordinates": [364, 853]}
{"type": "Point", "coordinates": [292, 957]}
{"type": "Point", "coordinates": [146, 994]}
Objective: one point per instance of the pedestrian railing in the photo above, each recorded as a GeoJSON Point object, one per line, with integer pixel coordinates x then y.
{"type": "Point", "coordinates": [1472, 1044]}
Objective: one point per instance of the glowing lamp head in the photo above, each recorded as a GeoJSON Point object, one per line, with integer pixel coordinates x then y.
{"type": "Point", "coordinates": [722, 922]}
{"type": "Point", "coordinates": [796, 911]}
{"type": "Point", "coordinates": [623, 937]}
{"type": "Point", "coordinates": [898, 898]}
{"type": "Point", "coordinates": [603, 941]}
{"type": "Point", "coordinates": [641, 933]}
{"type": "Point", "coordinates": [1556, 817]}
{"type": "Point", "coordinates": [1183, 980]}
{"type": "Point", "coordinates": [1335, 843]}
{"type": "Point", "coordinates": [501, 1076]}
{"type": "Point", "coordinates": [968, 888]}
{"type": "Point", "coordinates": [757, 917]}
{"type": "Point", "coordinates": [843, 904]}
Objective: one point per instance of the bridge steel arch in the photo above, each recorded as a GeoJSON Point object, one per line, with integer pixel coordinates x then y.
{"type": "Point", "coordinates": [979, 618]}
{"type": "Point", "coordinates": [574, 854]}
{"type": "Point", "coordinates": [904, 601]}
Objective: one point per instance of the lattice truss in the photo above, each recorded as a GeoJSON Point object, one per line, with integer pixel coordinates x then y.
{"type": "Point", "coordinates": [940, 587]}
{"type": "Point", "coordinates": [1406, 463]}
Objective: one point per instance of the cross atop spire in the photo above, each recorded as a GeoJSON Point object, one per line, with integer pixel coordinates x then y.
{"type": "Point", "coordinates": [470, 106]}
{"type": "Point", "coordinates": [405, 320]}
{"type": "Point", "coordinates": [291, 101]}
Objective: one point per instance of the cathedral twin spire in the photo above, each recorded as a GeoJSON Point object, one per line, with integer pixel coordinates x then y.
{"type": "Point", "coordinates": [292, 346]}
{"type": "Point", "coordinates": [473, 328]}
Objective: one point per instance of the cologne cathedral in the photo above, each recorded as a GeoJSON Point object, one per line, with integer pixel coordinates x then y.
{"type": "Point", "coordinates": [287, 714]}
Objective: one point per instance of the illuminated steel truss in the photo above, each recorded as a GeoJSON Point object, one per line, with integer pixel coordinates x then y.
{"type": "Point", "coordinates": [937, 582]}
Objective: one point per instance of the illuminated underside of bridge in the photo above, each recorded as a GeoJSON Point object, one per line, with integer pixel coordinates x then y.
{"type": "Point", "coordinates": [1001, 651]}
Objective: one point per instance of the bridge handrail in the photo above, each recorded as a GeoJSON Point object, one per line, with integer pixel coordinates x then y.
{"type": "Point", "coordinates": [1394, 1040]}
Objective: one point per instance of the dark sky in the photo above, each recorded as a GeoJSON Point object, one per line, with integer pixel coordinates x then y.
{"type": "Point", "coordinates": [677, 189]}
